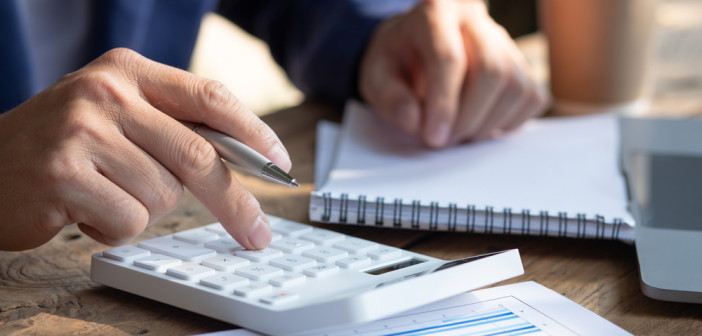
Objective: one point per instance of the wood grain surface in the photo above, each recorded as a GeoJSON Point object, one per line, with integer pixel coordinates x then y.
{"type": "Point", "coordinates": [48, 291]}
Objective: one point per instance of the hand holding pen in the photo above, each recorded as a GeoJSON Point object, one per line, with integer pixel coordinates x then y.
{"type": "Point", "coordinates": [104, 148]}
{"type": "Point", "coordinates": [241, 155]}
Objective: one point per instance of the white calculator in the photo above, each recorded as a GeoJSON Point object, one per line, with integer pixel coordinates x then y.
{"type": "Point", "coordinates": [306, 279]}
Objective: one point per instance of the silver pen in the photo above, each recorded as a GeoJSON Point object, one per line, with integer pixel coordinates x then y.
{"type": "Point", "coordinates": [243, 156]}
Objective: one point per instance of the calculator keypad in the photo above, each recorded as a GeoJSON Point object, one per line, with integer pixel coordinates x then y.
{"type": "Point", "coordinates": [260, 255]}
{"type": "Point", "coordinates": [260, 272]}
{"type": "Point", "coordinates": [355, 245]}
{"type": "Point", "coordinates": [225, 262]}
{"type": "Point", "coordinates": [293, 263]}
{"type": "Point", "coordinates": [253, 289]}
{"type": "Point", "coordinates": [190, 271]}
{"type": "Point", "coordinates": [321, 270]}
{"type": "Point", "coordinates": [126, 253]}
{"type": "Point", "coordinates": [325, 254]}
{"type": "Point", "coordinates": [292, 245]}
{"type": "Point", "coordinates": [288, 279]}
{"type": "Point", "coordinates": [353, 262]}
{"type": "Point", "coordinates": [157, 262]}
{"type": "Point", "coordinates": [177, 249]}
{"type": "Point", "coordinates": [210, 258]}
{"type": "Point", "coordinates": [224, 281]}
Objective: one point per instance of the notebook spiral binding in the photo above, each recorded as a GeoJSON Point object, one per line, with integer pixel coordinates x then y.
{"type": "Point", "coordinates": [474, 220]}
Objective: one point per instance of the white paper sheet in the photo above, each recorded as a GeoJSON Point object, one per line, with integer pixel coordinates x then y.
{"type": "Point", "coordinates": [566, 164]}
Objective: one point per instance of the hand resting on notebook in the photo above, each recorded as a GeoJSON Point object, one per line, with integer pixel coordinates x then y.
{"type": "Point", "coordinates": [446, 72]}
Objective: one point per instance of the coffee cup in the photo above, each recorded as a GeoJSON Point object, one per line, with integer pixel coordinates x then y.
{"type": "Point", "coordinates": [600, 54]}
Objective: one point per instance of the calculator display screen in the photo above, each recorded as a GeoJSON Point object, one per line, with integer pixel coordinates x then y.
{"type": "Point", "coordinates": [394, 267]}
{"type": "Point", "coordinates": [458, 262]}
{"type": "Point", "coordinates": [446, 265]}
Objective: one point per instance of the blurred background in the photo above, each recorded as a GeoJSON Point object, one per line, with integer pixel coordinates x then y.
{"type": "Point", "coordinates": [243, 63]}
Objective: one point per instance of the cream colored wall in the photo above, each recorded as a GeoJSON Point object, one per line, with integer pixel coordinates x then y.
{"type": "Point", "coordinates": [243, 63]}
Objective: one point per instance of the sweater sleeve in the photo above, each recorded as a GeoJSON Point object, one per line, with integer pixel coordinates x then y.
{"type": "Point", "coordinates": [319, 43]}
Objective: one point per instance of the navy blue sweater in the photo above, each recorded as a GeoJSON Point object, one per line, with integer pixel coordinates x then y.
{"type": "Point", "coordinates": [318, 42]}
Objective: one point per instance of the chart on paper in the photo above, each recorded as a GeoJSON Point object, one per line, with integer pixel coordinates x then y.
{"type": "Point", "coordinates": [500, 316]}
{"type": "Point", "coordinates": [525, 308]}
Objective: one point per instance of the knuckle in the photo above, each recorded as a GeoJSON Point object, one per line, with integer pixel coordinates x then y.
{"type": "Point", "coordinates": [62, 171]}
{"type": "Point", "coordinates": [198, 157]}
{"type": "Point", "coordinates": [212, 93]}
{"type": "Point", "coordinates": [246, 205]}
{"type": "Point", "coordinates": [520, 87]}
{"type": "Point", "coordinates": [264, 135]}
{"type": "Point", "coordinates": [167, 198]}
{"type": "Point", "coordinates": [135, 220]}
{"type": "Point", "coordinates": [99, 86]}
{"type": "Point", "coordinates": [81, 129]}
{"type": "Point", "coordinates": [453, 60]}
{"type": "Point", "coordinates": [173, 197]}
{"type": "Point", "coordinates": [120, 56]}
{"type": "Point", "coordinates": [435, 5]}
{"type": "Point", "coordinates": [266, 139]}
{"type": "Point", "coordinates": [494, 73]}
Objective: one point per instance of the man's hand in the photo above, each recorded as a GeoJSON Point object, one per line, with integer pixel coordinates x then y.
{"type": "Point", "coordinates": [446, 72]}
{"type": "Point", "coordinates": [104, 148]}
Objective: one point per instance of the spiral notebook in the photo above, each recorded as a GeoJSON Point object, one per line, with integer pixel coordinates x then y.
{"type": "Point", "coordinates": [551, 177]}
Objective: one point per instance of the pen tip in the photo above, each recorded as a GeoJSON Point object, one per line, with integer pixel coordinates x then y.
{"type": "Point", "coordinates": [273, 173]}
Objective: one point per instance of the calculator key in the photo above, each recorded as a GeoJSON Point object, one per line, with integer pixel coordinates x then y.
{"type": "Point", "coordinates": [385, 253]}
{"type": "Point", "coordinates": [288, 279]}
{"type": "Point", "coordinates": [276, 236]}
{"type": "Point", "coordinates": [125, 253]}
{"type": "Point", "coordinates": [293, 263]}
{"type": "Point", "coordinates": [280, 298]}
{"type": "Point", "coordinates": [224, 245]}
{"type": "Point", "coordinates": [253, 289]}
{"type": "Point", "coordinates": [178, 249]}
{"type": "Point", "coordinates": [217, 228]}
{"type": "Point", "coordinates": [323, 237]}
{"type": "Point", "coordinates": [273, 220]}
{"type": "Point", "coordinates": [259, 255]}
{"type": "Point", "coordinates": [325, 254]}
{"type": "Point", "coordinates": [190, 271]}
{"type": "Point", "coordinates": [353, 262]}
{"type": "Point", "coordinates": [292, 245]}
{"type": "Point", "coordinates": [224, 281]}
{"type": "Point", "coordinates": [259, 272]}
{"type": "Point", "coordinates": [321, 270]}
{"type": "Point", "coordinates": [356, 245]}
{"type": "Point", "coordinates": [225, 262]}
{"type": "Point", "coordinates": [196, 236]}
{"type": "Point", "coordinates": [157, 262]}
{"type": "Point", "coordinates": [290, 229]}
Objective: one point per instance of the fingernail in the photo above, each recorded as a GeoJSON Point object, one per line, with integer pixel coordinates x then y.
{"type": "Point", "coordinates": [260, 235]}
{"type": "Point", "coordinates": [438, 135]}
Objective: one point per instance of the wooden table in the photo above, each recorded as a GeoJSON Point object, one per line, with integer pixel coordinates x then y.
{"type": "Point", "coordinates": [48, 290]}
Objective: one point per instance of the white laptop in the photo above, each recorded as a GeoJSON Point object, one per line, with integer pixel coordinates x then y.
{"type": "Point", "coordinates": [662, 162]}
